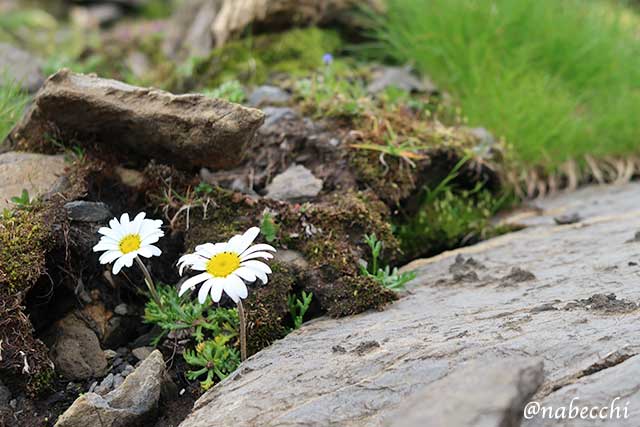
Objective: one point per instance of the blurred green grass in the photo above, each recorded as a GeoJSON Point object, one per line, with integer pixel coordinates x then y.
{"type": "Point", "coordinates": [557, 79]}
{"type": "Point", "coordinates": [12, 102]}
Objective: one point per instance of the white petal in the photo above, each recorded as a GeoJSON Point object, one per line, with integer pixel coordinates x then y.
{"type": "Point", "coordinates": [209, 249]}
{"type": "Point", "coordinates": [149, 251]}
{"type": "Point", "coordinates": [229, 288]}
{"type": "Point", "coordinates": [239, 244]}
{"type": "Point", "coordinates": [192, 282]}
{"type": "Point", "coordinates": [262, 276]}
{"type": "Point", "coordinates": [115, 225]}
{"type": "Point", "coordinates": [256, 265]}
{"type": "Point", "coordinates": [105, 245]}
{"type": "Point", "coordinates": [137, 222]}
{"type": "Point", "coordinates": [109, 232]}
{"type": "Point", "coordinates": [191, 261]}
{"type": "Point", "coordinates": [124, 261]}
{"type": "Point", "coordinates": [216, 289]}
{"type": "Point", "coordinates": [246, 273]}
{"type": "Point", "coordinates": [234, 285]}
{"type": "Point", "coordinates": [150, 227]}
{"type": "Point", "coordinates": [124, 221]}
{"type": "Point", "coordinates": [265, 255]}
{"type": "Point", "coordinates": [109, 256]}
{"type": "Point", "coordinates": [150, 239]}
{"type": "Point", "coordinates": [204, 291]}
{"type": "Point", "coordinates": [259, 247]}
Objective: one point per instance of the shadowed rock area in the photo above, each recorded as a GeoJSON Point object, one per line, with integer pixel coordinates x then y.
{"type": "Point", "coordinates": [360, 371]}
{"type": "Point", "coordinates": [137, 124]}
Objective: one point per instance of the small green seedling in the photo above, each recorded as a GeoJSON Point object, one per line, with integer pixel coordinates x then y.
{"type": "Point", "coordinates": [387, 277]}
{"type": "Point", "coordinates": [298, 308]}
{"type": "Point", "coordinates": [268, 227]}
{"type": "Point", "coordinates": [23, 200]}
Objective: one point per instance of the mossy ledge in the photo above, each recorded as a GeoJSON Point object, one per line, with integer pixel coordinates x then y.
{"type": "Point", "coordinates": [26, 237]}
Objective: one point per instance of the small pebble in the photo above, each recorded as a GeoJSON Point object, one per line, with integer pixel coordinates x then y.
{"type": "Point", "coordinates": [121, 309]}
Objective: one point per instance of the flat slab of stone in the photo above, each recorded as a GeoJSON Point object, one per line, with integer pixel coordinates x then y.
{"type": "Point", "coordinates": [139, 124]}
{"type": "Point", "coordinates": [578, 312]}
{"type": "Point", "coordinates": [36, 173]}
{"type": "Point", "coordinates": [495, 395]}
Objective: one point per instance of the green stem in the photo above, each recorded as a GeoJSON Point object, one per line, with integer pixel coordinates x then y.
{"type": "Point", "coordinates": [243, 332]}
{"type": "Point", "coordinates": [149, 281]}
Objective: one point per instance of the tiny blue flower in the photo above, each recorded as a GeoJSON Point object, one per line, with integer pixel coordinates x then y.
{"type": "Point", "coordinates": [327, 59]}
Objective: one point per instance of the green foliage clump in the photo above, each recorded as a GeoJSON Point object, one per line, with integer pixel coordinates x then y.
{"type": "Point", "coordinates": [252, 59]}
{"type": "Point", "coordinates": [390, 279]}
{"type": "Point", "coordinates": [213, 332]}
{"type": "Point", "coordinates": [329, 94]}
{"type": "Point", "coordinates": [556, 79]}
{"type": "Point", "coordinates": [12, 102]}
{"type": "Point", "coordinates": [215, 358]}
{"type": "Point", "coordinates": [450, 217]}
{"type": "Point", "coordinates": [231, 90]}
{"type": "Point", "coordinates": [298, 307]}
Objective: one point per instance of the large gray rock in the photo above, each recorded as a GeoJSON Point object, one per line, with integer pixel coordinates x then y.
{"type": "Point", "coordinates": [495, 395]}
{"type": "Point", "coordinates": [133, 403]}
{"type": "Point", "coordinates": [614, 386]}
{"type": "Point", "coordinates": [296, 184]}
{"type": "Point", "coordinates": [75, 349]}
{"type": "Point", "coordinates": [135, 123]}
{"type": "Point", "coordinates": [358, 371]}
{"type": "Point", "coordinates": [21, 67]}
{"type": "Point", "coordinates": [36, 173]}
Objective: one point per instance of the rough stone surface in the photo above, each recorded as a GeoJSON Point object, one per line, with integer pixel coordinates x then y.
{"type": "Point", "coordinates": [75, 349]}
{"type": "Point", "coordinates": [268, 95]}
{"type": "Point", "coordinates": [21, 67]}
{"type": "Point", "coordinates": [37, 173]}
{"type": "Point", "coordinates": [84, 211]}
{"type": "Point", "coordinates": [135, 123]}
{"type": "Point", "coordinates": [495, 395]}
{"type": "Point", "coordinates": [133, 403]}
{"type": "Point", "coordinates": [358, 371]}
{"type": "Point", "coordinates": [142, 353]}
{"type": "Point", "coordinates": [617, 385]}
{"type": "Point", "coordinates": [296, 184]}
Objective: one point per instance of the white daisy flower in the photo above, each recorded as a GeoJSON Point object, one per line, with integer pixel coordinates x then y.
{"type": "Point", "coordinates": [124, 240]}
{"type": "Point", "coordinates": [226, 267]}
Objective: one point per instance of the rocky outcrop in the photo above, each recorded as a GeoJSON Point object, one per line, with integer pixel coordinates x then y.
{"type": "Point", "coordinates": [201, 25]}
{"type": "Point", "coordinates": [359, 371]}
{"type": "Point", "coordinates": [137, 124]}
{"type": "Point", "coordinates": [36, 173]}
{"type": "Point", "coordinates": [133, 403]}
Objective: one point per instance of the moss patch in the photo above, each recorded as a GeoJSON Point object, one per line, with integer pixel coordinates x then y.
{"type": "Point", "coordinates": [26, 238]}
{"type": "Point", "coordinates": [253, 59]}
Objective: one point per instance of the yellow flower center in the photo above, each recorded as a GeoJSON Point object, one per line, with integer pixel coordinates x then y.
{"type": "Point", "coordinates": [223, 264]}
{"type": "Point", "coordinates": [129, 243]}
